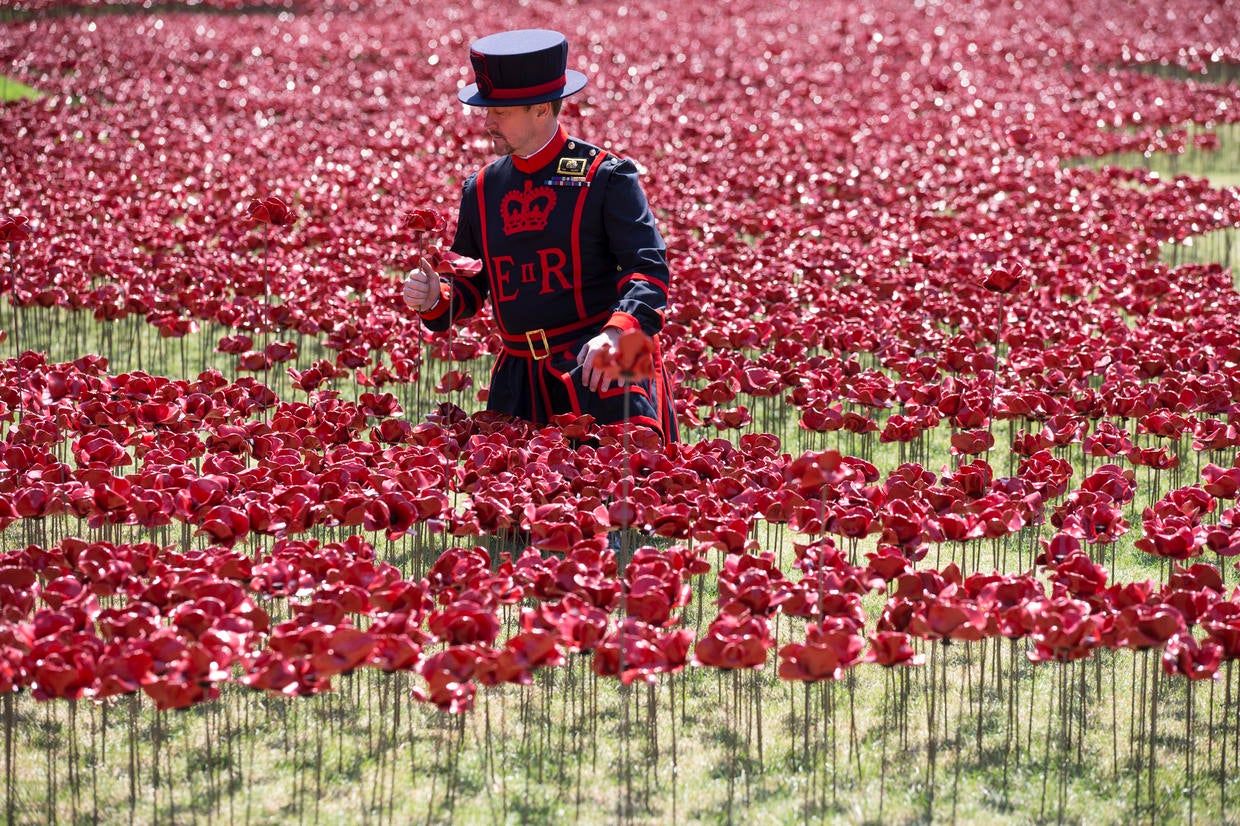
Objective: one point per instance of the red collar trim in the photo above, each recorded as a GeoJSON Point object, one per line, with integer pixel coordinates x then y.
{"type": "Point", "coordinates": [543, 156]}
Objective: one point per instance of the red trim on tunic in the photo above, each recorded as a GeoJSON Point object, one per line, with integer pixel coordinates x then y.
{"type": "Point", "coordinates": [567, 380]}
{"type": "Point", "coordinates": [575, 236]}
{"type": "Point", "coordinates": [486, 252]}
{"type": "Point", "coordinates": [661, 402]}
{"type": "Point", "coordinates": [637, 276]}
{"type": "Point", "coordinates": [543, 156]}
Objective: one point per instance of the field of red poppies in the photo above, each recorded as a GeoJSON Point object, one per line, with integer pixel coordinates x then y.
{"type": "Point", "coordinates": [951, 533]}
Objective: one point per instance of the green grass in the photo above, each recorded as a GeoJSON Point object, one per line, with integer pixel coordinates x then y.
{"type": "Point", "coordinates": [567, 748]}
{"type": "Point", "coordinates": [11, 90]}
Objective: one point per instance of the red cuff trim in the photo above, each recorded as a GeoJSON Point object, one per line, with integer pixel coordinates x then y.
{"type": "Point", "coordinates": [445, 301]}
{"type": "Point", "coordinates": [623, 322]}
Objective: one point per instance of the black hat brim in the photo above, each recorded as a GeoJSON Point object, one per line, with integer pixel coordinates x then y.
{"type": "Point", "coordinates": [574, 82]}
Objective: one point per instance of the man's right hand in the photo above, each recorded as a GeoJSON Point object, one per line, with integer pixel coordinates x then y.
{"type": "Point", "coordinates": [421, 290]}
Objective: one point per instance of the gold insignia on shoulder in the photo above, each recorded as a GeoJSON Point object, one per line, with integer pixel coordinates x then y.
{"type": "Point", "coordinates": [571, 166]}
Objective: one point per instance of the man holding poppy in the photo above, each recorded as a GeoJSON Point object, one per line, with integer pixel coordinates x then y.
{"type": "Point", "coordinates": [571, 257]}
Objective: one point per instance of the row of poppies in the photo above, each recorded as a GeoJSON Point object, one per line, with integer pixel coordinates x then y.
{"type": "Point", "coordinates": [97, 619]}
{"type": "Point", "coordinates": [203, 457]}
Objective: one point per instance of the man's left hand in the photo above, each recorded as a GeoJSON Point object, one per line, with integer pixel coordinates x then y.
{"type": "Point", "coordinates": [591, 376]}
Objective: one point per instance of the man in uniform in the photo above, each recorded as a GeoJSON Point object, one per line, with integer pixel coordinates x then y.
{"type": "Point", "coordinates": [571, 257]}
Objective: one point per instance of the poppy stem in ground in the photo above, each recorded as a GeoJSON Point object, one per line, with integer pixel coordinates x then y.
{"type": "Point", "coordinates": [1114, 725]}
{"type": "Point", "coordinates": [10, 780]}
{"type": "Point", "coordinates": [805, 727]}
{"type": "Point", "coordinates": [1046, 751]}
{"type": "Point", "coordinates": [888, 691]}
{"type": "Point", "coordinates": [854, 745]}
{"type": "Point", "coordinates": [1065, 734]}
{"type": "Point", "coordinates": [439, 757]}
{"type": "Point", "coordinates": [1136, 732]}
{"type": "Point", "coordinates": [1222, 757]}
{"type": "Point", "coordinates": [906, 682]}
{"type": "Point", "coordinates": [932, 743]}
{"type": "Point", "coordinates": [960, 705]}
{"type": "Point", "coordinates": [1153, 738]}
{"type": "Point", "coordinates": [488, 758]}
{"type": "Point", "coordinates": [981, 693]}
{"type": "Point", "coordinates": [577, 726]}
{"type": "Point", "coordinates": [1189, 747]}
{"type": "Point", "coordinates": [17, 347]}
{"type": "Point", "coordinates": [757, 710]}
{"type": "Point", "coordinates": [1013, 722]}
{"type": "Point", "coordinates": [626, 762]}
{"type": "Point", "coordinates": [733, 713]}
{"type": "Point", "coordinates": [829, 692]}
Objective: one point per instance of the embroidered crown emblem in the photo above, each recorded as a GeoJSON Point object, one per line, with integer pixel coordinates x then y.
{"type": "Point", "coordinates": [527, 210]}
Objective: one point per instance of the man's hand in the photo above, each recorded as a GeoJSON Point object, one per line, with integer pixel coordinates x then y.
{"type": "Point", "coordinates": [592, 377]}
{"type": "Point", "coordinates": [421, 291]}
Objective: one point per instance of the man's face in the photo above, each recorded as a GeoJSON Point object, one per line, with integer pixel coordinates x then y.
{"type": "Point", "coordinates": [515, 130]}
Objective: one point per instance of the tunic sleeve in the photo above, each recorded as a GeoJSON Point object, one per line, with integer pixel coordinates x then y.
{"type": "Point", "coordinates": [641, 255]}
{"type": "Point", "coordinates": [462, 296]}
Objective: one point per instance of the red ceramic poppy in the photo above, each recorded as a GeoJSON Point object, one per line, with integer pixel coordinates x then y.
{"type": "Point", "coordinates": [733, 642]}
{"type": "Point", "coordinates": [270, 210]}
{"type": "Point", "coordinates": [421, 220]}
{"type": "Point", "coordinates": [824, 655]}
{"type": "Point", "coordinates": [1183, 655]}
{"type": "Point", "coordinates": [890, 648]}
{"type": "Point", "coordinates": [1221, 483]}
{"type": "Point", "coordinates": [635, 650]}
{"type": "Point", "coordinates": [15, 229]}
{"type": "Point", "coordinates": [1063, 630]}
{"type": "Point", "coordinates": [632, 359]}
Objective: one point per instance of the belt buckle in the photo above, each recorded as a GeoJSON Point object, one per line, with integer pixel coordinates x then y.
{"type": "Point", "coordinates": [530, 337]}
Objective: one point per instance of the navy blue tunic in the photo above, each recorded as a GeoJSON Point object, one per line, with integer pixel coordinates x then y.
{"type": "Point", "coordinates": [568, 246]}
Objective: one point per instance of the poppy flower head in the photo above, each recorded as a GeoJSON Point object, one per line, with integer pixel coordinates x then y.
{"type": "Point", "coordinates": [734, 642]}
{"type": "Point", "coordinates": [1184, 656]}
{"type": "Point", "coordinates": [421, 220]}
{"type": "Point", "coordinates": [971, 442]}
{"type": "Point", "coordinates": [825, 654]}
{"type": "Point", "coordinates": [270, 210]}
{"type": "Point", "coordinates": [889, 648]}
{"type": "Point", "coordinates": [632, 359]}
{"type": "Point", "coordinates": [1020, 136]}
{"type": "Point", "coordinates": [14, 229]}
{"type": "Point", "coordinates": [1221, 483]}
{"type": "Point", "coordinates": [1005, 280]}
